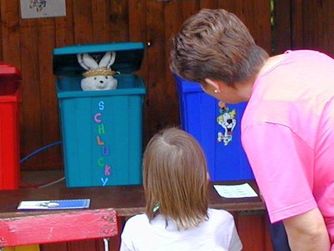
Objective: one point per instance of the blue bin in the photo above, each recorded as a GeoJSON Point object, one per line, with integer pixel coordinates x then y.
{"type": "Point", "coordinates": [101, 130]}
{"type": "Point", "coordinates": [199, 115]}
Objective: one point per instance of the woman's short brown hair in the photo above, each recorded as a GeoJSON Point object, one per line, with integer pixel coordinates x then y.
{"type": "Point", "coordinates": [175, 178]}
{"type": "Point", "coordinates": [215, 44]}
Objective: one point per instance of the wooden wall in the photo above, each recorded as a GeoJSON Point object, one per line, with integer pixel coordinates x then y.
{"type": "Point", "coordinates": [28, 44]}
{"type": "Point", "coordinates": [301, 24]}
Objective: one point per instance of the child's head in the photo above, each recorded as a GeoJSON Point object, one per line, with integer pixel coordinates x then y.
{"type": "Point", "coordinates": [175, 178]}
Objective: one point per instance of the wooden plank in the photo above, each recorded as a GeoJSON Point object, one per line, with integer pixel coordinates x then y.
{"type": "Point", "coordinates": [259, 27]}
{"type": "Point", "coordinates": [82, 19]}
{"type": "Point", "coordinates": [65, 27]}
{"type": "Point", "coordinates": [189, 8]}
{"type": "Point", "coordinates": [252, 231]}
{"type": "Point", "coordinates": [297, 24]}
{"type": "Point", "coordinates": [209, 4]}
{"type": "Point", "coordinates": [82, 245]}
{"type": "Point", "coordinates": [49, 110]}
{"type": "Point", "coordinates": [155, 115]}
{"type": "Point", "coordinates": [181, 11]}
{"type": "Point", "coordinates": [10, 29]}
{"type": "Point", "coordinates": [58, 227]}
{"type": "Point", "coordinates": [137, 21]}
{"type": "Point", "coordinates": [119, 20]}
{"type": "Point", "coordinates": [31, 137]}
{"type": "Point", "coordinates": [282, 31]}
{"type": "Point", "coordinates": [329, 24]}
{"type": "Point", "coordinates": [126, 200]}
{"type": "Point", "coordinates": [59, 246]}
{"type": "Point", "coordinates": [100, 21]}
{"type": "Point", "coordinates": [137, 30]}
{"type": "Point", "coordinates": [318, 29]}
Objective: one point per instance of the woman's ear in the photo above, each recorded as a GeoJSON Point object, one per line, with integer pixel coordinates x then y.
{"type": "Point", "coordinates": [213, 83]}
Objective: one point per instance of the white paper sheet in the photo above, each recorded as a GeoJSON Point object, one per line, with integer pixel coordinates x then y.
{"type": "Point", "coordinates": [235, 191]}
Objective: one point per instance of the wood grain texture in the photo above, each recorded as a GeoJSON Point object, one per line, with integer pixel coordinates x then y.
{"type": "Point", "coordinates": [64, 27]}
{"type": "Point", "coordinates": [119, 20]}
{"type": "Point", "coordinates": [318, 16]}
{"type": "Point", "coordinates": [128, 201]}
{"type": "Point", "coordinates": [58, 227]}
{"type": "Point", "coordinates": [82, 20]}
{"type": "Point", "coordinates": [252, 230]}
{"type": "Point", "coordinates": [259, 27]}
{"type": "Point", "coordinates": [28, 44]}
{"type": "Point", "coordinates": [10, 27]}
{"type": "Point", "coordinates": [31, 109]}
{"type": "Point", "coordinates": [282, 30]}
{"type": "Point", "coordinates": [209, 4]}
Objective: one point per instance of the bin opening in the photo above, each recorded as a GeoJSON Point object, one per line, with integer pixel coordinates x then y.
{"type": "Point", "coordinates": [128, 57]}
{"type": "Point", "coordinates": [72, 83]}
{"type": "Point", "coordinates": [8, 87]}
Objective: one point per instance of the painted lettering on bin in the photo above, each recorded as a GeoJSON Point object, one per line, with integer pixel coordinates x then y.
{"type": "Point", "coordinates": [101, 141]}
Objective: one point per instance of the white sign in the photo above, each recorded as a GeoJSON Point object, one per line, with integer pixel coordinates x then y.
{"type": "Point", "coordinates": [42, 8]}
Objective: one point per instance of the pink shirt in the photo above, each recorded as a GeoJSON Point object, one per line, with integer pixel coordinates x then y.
{"type": "Point", "coordinates": [288, 135]}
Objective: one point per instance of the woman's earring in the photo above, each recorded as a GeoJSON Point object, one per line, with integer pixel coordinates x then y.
{"type": "Point", "coordinates": [216, 91]}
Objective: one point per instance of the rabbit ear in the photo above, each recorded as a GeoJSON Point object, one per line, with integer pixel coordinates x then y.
{"type": "Point", "coordinates": [108, 59]}
{"type": "Point", "coordinates": [80, 61]}
{"type": "Point", "coordinates": [86, 61]}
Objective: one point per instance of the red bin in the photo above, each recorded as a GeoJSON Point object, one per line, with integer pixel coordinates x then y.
{"type": "Point", "coordinates": [9, 127]}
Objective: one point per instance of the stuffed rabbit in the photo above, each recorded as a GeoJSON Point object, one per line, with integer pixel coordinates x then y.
{"type": "Point", "coordinates": [98, 76]}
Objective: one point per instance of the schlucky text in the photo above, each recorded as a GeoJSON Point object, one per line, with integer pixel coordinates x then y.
{"type": "Point", "coordinates": [102, 162]}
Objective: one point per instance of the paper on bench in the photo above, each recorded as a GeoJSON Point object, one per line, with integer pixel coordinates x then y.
{"type": "Point", "coordinates": [55, 204]}
{"type": "Point", "coordinates": [235, 191]}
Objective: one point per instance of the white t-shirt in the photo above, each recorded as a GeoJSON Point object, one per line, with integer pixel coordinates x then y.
{"type": "Point", "coordinates": [218, 233]}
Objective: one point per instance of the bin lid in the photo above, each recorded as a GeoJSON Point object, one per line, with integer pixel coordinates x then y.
{"type": "Point", "coordinates": [186, 86]}
{"type": "Point", "coordinates": [9, 72]}
{"type": "Point", "coordinates": [128, 56]}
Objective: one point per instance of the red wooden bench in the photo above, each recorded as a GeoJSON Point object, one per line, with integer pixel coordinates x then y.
{"type": "Point", "coordinates": [56, 226]}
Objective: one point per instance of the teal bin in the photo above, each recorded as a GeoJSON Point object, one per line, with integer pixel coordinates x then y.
{"type": "Point", "coordinates": [101, 130]}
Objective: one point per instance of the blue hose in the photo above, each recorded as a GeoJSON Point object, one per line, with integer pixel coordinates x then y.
{"type": "Point", "coordinates": [41, 149]}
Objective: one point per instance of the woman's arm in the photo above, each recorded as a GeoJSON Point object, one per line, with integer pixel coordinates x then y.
{"type": "Point", "coordinates": [307, 232]}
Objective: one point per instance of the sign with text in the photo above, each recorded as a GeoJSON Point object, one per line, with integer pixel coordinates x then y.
{"type": "Point", "coordinates": [42, 8]}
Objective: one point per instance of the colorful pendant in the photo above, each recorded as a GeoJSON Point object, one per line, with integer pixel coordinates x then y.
{"type": "Point", "coordinates": [226, 119]}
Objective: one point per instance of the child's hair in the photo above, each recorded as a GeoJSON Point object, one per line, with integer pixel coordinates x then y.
{"type": "Point", "coordinates": [175, 178]}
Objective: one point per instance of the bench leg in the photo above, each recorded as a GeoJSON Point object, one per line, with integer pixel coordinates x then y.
{"type": "Point", "coordinates": [106, 244]}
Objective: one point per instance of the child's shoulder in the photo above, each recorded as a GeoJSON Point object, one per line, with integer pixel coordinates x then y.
{"type": "Point", "coordinates": [136, 219]}
{"type": "Point", "coordinates": [220, 214]}
{"type": "Point", "coordinates": [132, 224]}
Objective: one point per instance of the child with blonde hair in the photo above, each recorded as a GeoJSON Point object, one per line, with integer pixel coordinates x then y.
{"type": "Point", "coordinates": [177, 216]}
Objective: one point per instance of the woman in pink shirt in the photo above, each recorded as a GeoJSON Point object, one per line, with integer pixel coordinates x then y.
{"type": "Point", "coordinates": [288, 125]}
